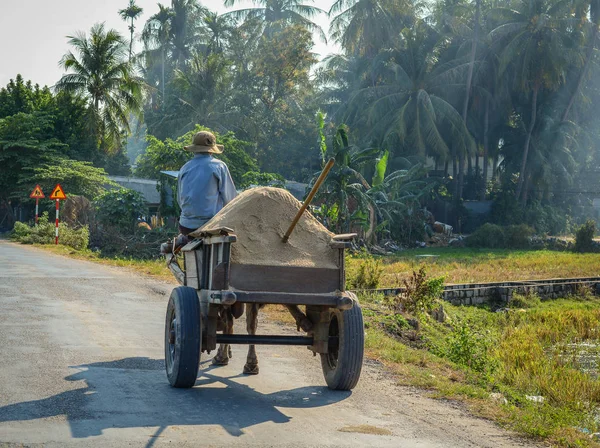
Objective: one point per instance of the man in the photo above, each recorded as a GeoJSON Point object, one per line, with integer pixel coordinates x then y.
{"type": "Point", "coordinates": [204, 184]}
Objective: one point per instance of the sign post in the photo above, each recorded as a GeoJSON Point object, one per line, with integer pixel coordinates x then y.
{"type": "Point", "coordinates": [57, 195]}
{"type": "Point", "coordinates": [37, 194]}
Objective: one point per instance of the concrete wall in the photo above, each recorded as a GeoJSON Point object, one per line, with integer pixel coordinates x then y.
{"type": "Point", "coordinates": [501, 293]}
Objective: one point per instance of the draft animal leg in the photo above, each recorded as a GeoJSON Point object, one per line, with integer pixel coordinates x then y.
{"type": "Point", "coordinates": [224, 351]}
{"type": "Point", "coordinates": [251, 367]}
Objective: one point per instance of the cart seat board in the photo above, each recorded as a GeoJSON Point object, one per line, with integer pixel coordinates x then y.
{"type": "Point", "coordinates": [294, 279]}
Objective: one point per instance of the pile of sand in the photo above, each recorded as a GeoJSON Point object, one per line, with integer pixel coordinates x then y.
{"type": "Point", "coordinates": [260, 217]}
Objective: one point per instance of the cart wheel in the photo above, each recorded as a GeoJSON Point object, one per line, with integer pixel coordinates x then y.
{"type": "Point", "coordinates": [343, 362]}
{"type": "Point", "coordinates": [183, 335]}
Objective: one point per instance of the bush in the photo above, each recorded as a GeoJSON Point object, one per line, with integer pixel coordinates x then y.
{"type": "Point", "coordinates": [368, 275]}
{"type": "Point", "coordinates": [44, 233]}
{"type": "Point", "coordinates": [584, 237]}
{"type": "Point", "coordinates": [142, 244]}
{"type": "Point", "coordinates": [470, 348]}
{"type": "Point", "coordinates": [527, 300]}
{"type": "Point", "coordinates": [518, 236]}
{"type": "Point", "coordinates": [120, 209]}
{"type": "Point", "coordinates": [488, 235]}
{"type": "Point", "coordinates": [421, 293]}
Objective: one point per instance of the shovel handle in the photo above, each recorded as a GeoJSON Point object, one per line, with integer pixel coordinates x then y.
{"type": "Point", "coordinates": [309, 198]}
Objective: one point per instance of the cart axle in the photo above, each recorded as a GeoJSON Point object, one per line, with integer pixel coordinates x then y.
{"type": "Point", "coordinates": [263, 340]}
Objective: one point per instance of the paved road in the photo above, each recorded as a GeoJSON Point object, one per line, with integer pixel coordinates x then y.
{"type": "Point", "coordinates": [82, 364]}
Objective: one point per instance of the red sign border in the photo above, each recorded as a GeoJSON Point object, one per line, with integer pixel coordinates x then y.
{"type": "Point", "coordinates": [37, 197]}
{"type": "Point", "coordinates": [53, 197]}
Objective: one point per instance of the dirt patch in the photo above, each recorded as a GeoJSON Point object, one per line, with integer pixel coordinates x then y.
{"type": "Point", "coordinates": [366, 429]}
{"type": "Point", "coordinates": [260, 217]}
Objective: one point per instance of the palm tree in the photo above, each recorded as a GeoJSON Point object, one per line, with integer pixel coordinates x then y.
{"type": "Point", "coordinates": [131, 13]}
{"type": "Point", "coordinates": [592, 36]}
{"type": "Point", "coordinates": [407, 108]}
{"type": "Point", "coordinates": [218, 29]}
{"type": "Point", "coordinates": [156, 34]}
{"type": "Point", "coordinates": [185, 29]}
{"type": "Point", "coordinates": [291, 12]}
{"type": "Point", "coordinates": [363, 27]}
{"type": "Point", "coordinates": [98, 70]}
{"type": "Point", "coordinates": [533, 48]}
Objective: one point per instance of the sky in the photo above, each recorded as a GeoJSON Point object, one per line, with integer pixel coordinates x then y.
{"type": "Point", "coordinates": [33, 32]}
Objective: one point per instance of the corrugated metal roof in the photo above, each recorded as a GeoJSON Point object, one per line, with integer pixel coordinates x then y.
{"type": "Point", "coordinates": [173, 174]}
{"type": "Point", "coordinates": [147, 187]}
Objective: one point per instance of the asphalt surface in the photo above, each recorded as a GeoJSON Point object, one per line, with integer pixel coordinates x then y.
{"type": "Point", "coordinates": [81, 364]}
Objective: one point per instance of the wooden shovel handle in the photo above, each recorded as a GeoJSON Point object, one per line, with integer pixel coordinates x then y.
{"type": "Point", "coordinates": [309, 198]}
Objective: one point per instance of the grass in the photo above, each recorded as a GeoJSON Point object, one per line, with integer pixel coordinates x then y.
{"type": "Point", "coordinates": [484, 358]}
{"type": "Point", "coordinates": [154, 268]}
{"type": "Point", "coordinates": [484, 265]}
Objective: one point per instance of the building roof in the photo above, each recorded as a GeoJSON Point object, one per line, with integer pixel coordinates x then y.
{"type": "Point", "coordinates": [147, 187]}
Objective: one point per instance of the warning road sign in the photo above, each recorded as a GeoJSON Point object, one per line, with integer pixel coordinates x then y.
{"type": "Point", "coordinates": [37, 193]}
{"type": "Point", "coordinates": [58, 193]}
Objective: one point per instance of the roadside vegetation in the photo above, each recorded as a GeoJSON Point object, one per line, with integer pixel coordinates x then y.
{"type": "Point", "coordinates": [531, 366]}
{"type": "Point", "coordinates": [526, 368]}
{"type": "Point", "coordinates": [467, 265]}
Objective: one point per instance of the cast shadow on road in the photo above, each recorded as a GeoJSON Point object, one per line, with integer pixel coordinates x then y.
{"type": "Point", "coordinates": [134, 392]}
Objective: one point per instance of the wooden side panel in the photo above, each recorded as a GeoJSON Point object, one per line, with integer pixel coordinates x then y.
{"type": "Point", "coordinates": [284, 279]}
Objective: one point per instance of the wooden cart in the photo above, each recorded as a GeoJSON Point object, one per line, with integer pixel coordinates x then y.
{"type": "Point", "coordinates": [211, 283]}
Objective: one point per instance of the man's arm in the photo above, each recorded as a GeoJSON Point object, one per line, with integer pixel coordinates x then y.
{"type": "Point", "coordinates": [227, 189]}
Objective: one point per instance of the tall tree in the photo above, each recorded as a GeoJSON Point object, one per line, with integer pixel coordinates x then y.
{"type": "Point", "coordinates": [592, 39]}
{"type": "Point", "coordinates": [407, 109]}
{"type": "Point", "coordinates": [98, 70]}
{"type": "Point", "coordinates": [533, 49]}
{"type": "Point", "coordinates": [131, 13]}
{"type": "Point", "coordinates": [363, 27]}
{"type": "Point", "coordinates": [273, 12]}
{"type": "Point", "coordinates": [156, 35]}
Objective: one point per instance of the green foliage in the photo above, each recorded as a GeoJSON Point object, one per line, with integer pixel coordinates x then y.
{"type": "Point", "coordinates": [120, 209]}
{"type": "Point", "coordinates": [171, 155]}
{"type": "Point", "coordinates": [420, 293]}
{"type": "Point", "coordinates": [267, 179]}
{"type": "Point", "coordinates": [518, 237]}
{"type": "Point", "coordinates": [527, 300]}
{"type": "Point", "coordinates": [78, 178]}
{"type": "Point", "coordinates": [469, 347]}
{"type": "Point", "coordinates": [99, 71]}
{"type": "Point", "coordinates": [367, 275]}
{"type": "Point", "coordinates": [584, 237]}
{"type": "Point", "coordinates": [488, 235]}
{"type": "Point", "coordinates": [44, 233]}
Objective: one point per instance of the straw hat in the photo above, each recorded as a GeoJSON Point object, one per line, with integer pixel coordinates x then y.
{"type": "Point", "coordinates": [204, 142]}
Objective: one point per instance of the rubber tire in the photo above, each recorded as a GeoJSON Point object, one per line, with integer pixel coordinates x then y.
{"type": "Point", "coordinates": [346, 373]}
{"type": "Point", "coordinates": [183, 371]}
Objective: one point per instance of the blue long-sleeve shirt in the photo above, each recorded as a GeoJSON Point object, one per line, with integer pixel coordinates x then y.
{"type": "Point", "coordinates": [204, 187]}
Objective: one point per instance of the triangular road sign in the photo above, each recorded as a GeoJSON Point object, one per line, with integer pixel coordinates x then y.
{"type": "Point", "coordinates": [37, 193]}
{"type": "Point", "coordinates": [58, 193]}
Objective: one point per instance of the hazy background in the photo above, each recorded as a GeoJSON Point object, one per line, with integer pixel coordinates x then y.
{"type": "Point", "coordinates": [33, 32]}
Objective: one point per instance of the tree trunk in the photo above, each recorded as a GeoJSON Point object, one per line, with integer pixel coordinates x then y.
{"type": "Point", "coordinates": [536, 88]}
{"type": "Point", "coordinates": [446, 163]}
{"type": "Point", "coordinates": [486, 126]}
{"type": "Point", "coordinates": [461, 177]}
{"type": "Point", "coordinates": [495, 167]}
{"type": "Point", "coordinates": [163, 73]}
{"type": "Point", "coordinates": [470, 162]}
{"type": "Point", "coordinates": [131, 42]}
{"type": "Point", "coordinates": [461, 157]}
{"type": "Point", "coordinates": [526, 188]}
{"type": "Point", "coordinates": [582, 74]}
{"type": "Point", "coordinates": [471, 61]}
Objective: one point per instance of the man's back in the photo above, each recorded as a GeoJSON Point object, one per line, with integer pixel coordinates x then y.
{"type": "Point", "coordinates": [205, 186]}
